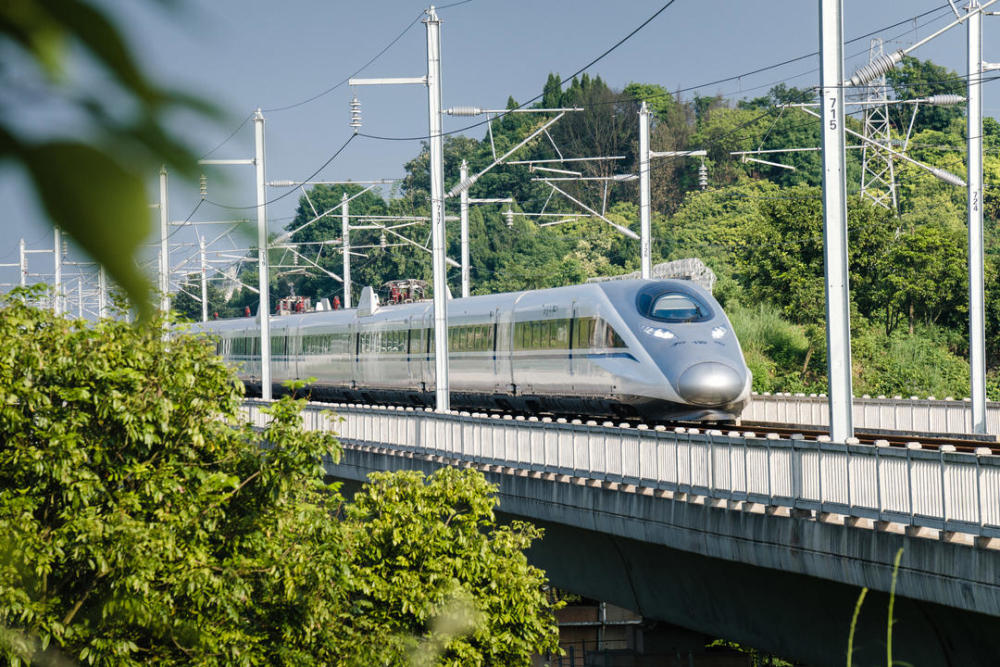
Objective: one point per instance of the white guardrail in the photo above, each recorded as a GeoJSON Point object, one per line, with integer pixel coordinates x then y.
{"type": "Point", "coordinates": [898, 414]}
{"type": "Point", "coordinates": [937, 489]}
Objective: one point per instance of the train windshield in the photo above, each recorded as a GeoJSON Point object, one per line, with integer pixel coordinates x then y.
{"type": "Point", "coordinates": [676, 307]}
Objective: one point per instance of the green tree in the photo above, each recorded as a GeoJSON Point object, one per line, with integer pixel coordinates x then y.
{"type": "Point", "coordinates": [782, 256]}
{"type": "Point", "coordinates": [426, 555]}
{"type": "Point", "coordinates": [143, 521]}
{"type": "Point", "coordinates": [929, 281]}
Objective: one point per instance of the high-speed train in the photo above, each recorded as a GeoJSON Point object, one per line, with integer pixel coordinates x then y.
{"type": "Point", "coordinates": [658, 349]}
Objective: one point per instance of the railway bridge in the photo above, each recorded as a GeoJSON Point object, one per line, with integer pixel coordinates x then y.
{"type": "Point", "coordinates": [762, 539]}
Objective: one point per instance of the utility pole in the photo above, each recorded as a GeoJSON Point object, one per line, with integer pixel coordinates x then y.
{"type": "Point", "coordinates": [102, 293]}
{"type": "Point", "coordinates": [838, 321]}
{"type": "Point", "coordinates": [645, 155]}
{"type": "Point", "coordinates": [57, 266]}
{"type": "Point", "coordinates": [23, 264]}
{"type": "Point", "coordinates": [442, 395]}
{"type": "Point", "coordinates": [645, 261]}
{"type": "Point", "coordinates": [204, 279]}
{"type": "Point", "coordinates": [465, 201]}
{"type": "Point", "coordinates": [164, 248]}
{"type": "Point", "coordinates": [463, 174]}
{"type": "Point", "coordinates": [264, 305]}
{"type": "Point", "coordinates": [433, 82]}
{"type": "Point", "coordinates": [974, 130]}
{"type": "Point", "coordinates": [345, 232]}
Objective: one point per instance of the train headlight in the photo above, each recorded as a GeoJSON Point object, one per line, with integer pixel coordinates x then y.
{"type": "Point", "coordinates": [657, 332]}
{"type": "Point", "coordinates": [718, 332]}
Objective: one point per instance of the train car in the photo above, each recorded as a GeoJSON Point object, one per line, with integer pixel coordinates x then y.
{"type": "Point", "coordinates": [657, 349]}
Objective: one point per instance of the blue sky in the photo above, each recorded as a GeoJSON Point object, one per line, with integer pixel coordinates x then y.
{"type": "Point", "coordinates": [242, 54]}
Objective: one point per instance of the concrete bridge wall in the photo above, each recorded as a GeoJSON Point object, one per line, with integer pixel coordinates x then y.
{"type": "Point", "coordinates": [784, 584]}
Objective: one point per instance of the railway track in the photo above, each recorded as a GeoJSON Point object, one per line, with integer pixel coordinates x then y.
{"type": "Point", "coordinates": [962, 442]}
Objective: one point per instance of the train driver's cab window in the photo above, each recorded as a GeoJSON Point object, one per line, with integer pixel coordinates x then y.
{"type": "Point", "coordinates": [676, 307]}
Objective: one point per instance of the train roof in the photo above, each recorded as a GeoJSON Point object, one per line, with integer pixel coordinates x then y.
{"type": "Point", "coordinates": [617, 291]}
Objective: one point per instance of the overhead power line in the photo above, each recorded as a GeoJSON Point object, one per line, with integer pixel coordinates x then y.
{"type": "Point", "coordinates": [537, 97]}
{"type": "Point", "coordinates": [734, 77]}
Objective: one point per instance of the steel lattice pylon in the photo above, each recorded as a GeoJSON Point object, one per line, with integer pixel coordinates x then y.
{"type": "Point", "coordinates": [878, 177]}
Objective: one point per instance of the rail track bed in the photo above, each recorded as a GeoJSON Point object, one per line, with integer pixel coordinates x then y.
{"type": "Point", "coordinates": [962, 442]}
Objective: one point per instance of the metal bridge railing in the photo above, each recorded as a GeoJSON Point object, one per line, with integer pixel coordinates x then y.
{"type": "Point", "coordinates": [939, 489]}
{"type": "Point", "coordinates": [923, 415]}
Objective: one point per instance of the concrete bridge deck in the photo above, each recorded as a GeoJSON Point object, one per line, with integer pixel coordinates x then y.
{"type": "Point", "coordinates": [764, 541]}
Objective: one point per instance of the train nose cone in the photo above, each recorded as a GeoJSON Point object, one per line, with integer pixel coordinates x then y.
{"type": "Point", "coordinates": [710, 383]}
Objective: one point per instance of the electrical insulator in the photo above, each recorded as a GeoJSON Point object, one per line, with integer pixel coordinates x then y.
{"type": "Point", "coordinates": [509, 214]}
{"type": "Point", "coordinates": [356, 114]}
{"type": "Point", "coordinates": [945, 99]}
{"type": "Point", "coordinates": [464, 111]}
{"type": "Point", "coordinates": [381, 241]}
{"type": "Point", "coordinates": [204, 186]}
{"type": "Point", "coordinates": [703, 176]}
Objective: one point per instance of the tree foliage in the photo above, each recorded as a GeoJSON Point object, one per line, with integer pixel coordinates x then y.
{"type": "Point", "coordinates": [143, 523]}
{"type": "Point", "coordinates": [435, 575]}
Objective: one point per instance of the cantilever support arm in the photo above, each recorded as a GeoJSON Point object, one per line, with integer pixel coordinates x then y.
{"type": "Point", "coordinates": [624, 230]}
{"type": "Point", "coordinates": [467, 183]}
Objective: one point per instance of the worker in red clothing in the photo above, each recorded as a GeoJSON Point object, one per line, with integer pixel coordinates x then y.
{"type": "Point", "coordinates": [246, 311]}
{"type": "Point", "coordinates": [336, 303]}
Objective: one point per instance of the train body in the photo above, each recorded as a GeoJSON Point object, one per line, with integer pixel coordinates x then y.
{"type": "Point", "coordinates": [660, 349]}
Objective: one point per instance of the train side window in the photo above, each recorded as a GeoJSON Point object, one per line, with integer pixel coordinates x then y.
{"type": "Point", "coordinates": [607, 337]}
{"type": "Point", "coordinates": [583, 333]}
{"type": "Point", "coordinates": [560, 334]}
